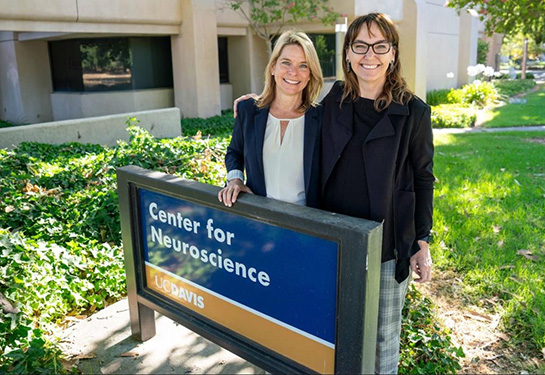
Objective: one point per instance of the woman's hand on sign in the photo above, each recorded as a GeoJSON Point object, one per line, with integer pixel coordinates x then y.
{"type": "Point", "coordinates": [228, 195]}
{"type": "Point", "coordinates": [240, 99]}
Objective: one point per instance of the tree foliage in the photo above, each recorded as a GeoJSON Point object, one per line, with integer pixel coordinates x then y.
{"type": "Point", "coordinates": [513, 45]}
{"type": "Point", "coordinates": [509, 16]}
{"type": "Point", "coordinates": [268, 17]}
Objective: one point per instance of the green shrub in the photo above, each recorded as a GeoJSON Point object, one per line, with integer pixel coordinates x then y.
{"type": "Point", "coordinates": [508, 88]}
{"type": "Point", "coordinates": [216, 126]}
{"type": "Point", "coordinates": [455, 96]}
{"type": "Point", "coordinates": [529, 75]}
{"type": "Point", "coordinates": [479, 93]}
{"type": "Point", "coordinates": [453, 116]}
{"type": "Point", "coordinates": [445, 96]}
{"type": "Point", "coordinates": [61, 231]}
{"type": "Point", "coordinates": [436, 97]}
{"type": "Point", "coordinates": [426, 347]}
{"type": "Point", "coordinates": [5, 124]}
{"type": "Point", "coordinates": [482, 51]}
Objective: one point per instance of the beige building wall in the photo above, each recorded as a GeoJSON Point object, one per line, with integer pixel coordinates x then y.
{"type": "Point", "coordinates": [443, 42]}
{"type": "Point", "coordinates": [413, 45]}
{"type": "Point", "coordinates": [436, 46]}
{"type": "Point", "coordinates": [467, 50]}
{"type": "Point", "coordinates": [72, 105]}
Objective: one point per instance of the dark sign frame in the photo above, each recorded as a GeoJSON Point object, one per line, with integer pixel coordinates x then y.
{"type": "Point", "coordinates": [358, 281]}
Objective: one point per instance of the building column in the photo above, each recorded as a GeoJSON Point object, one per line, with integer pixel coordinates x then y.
{"type": "Point", "coordinates": [467, 45]}
{"type": "Point", "coordinates": [25, 86]}
{"type": "Point", "coordinates": [413, 46]}
{"type": "Point", "coordinates": [195, 61]}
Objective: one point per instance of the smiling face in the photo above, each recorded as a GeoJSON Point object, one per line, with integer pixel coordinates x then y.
{"type": "Point", "coordinates": [291, 71]}
{"type": "Point", "coordinates": [370, 68]}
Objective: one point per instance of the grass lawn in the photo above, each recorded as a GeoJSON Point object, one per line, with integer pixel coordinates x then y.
{"type": "Point", "coordinates": [490, 225]}
{"type": "Point", "coordinates": [530, 113]}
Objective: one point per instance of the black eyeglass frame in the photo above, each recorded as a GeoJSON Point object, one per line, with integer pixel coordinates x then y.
{"type": "Point", "coordinates": [372, 46]}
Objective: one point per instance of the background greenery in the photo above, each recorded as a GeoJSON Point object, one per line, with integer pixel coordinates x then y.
{"type": "Point", "coordinates": [62, 252]}
{"type": "Point", "coordinates": [60, 233]}
{"type": "Point", "coordinates": [458, 108]}
{"type": "Point", "coordinates": [490, 226]}
{"type": "Point", "coordinates": [530, 110]}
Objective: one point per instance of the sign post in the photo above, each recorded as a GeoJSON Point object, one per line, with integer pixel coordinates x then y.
{"type": "Point", "coordinates": [291, 289]}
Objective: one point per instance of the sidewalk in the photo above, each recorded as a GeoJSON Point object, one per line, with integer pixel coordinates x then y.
{"type": "Point", "coordinates": [490, 130]}
{"type": "Point", "coordinates": [102, 344]}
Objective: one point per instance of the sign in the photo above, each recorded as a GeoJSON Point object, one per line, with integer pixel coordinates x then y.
{"type": "Point", "coordinates": [273, 285]}
{"type": "Point", "coordinates": [290, 288]}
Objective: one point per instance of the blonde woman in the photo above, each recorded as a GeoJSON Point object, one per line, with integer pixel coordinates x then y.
{"type": "Point", "coordinates": [276, 137]}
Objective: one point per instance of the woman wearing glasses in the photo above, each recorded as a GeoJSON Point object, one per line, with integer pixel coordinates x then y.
{"type": "Point", "coordinates": [377, 161]}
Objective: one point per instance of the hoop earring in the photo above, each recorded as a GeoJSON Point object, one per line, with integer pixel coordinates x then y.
{"type": "Point", "coordinates": [348, 66]}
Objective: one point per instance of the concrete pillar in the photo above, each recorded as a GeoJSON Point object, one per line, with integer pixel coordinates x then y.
{"type": "Point", "coordinates": [259, 57]}
{"type": "Point", "coordinates": [195, 60]}
{"type": "Point", "coordinates": [239, 65]}
{"type": "Point", "coordinates": [467, 45]}
{"type": "Point", "coordinates": [413, 45]}
{"type": "Point", "coordinates": [340, 31]}
{"type": "Point", "coordinates": [10, 88]}
{"type": "Point", "coordinates": [25, 86]}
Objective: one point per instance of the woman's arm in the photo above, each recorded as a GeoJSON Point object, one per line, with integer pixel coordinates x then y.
{"type": "Point", "coordinates": [234, 161]}
{"type": "Point", "coordinates": [421, 154]}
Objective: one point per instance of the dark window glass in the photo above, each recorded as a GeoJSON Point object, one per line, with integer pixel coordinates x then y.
{"type": "Point", "coordinates": [223, 57]}
{"type": "Point", "coordinates": [66, 66]}
{"type": "Point", "coordinates": [325, 47]}
{"type": "Point", "coordinates": [111, 64]}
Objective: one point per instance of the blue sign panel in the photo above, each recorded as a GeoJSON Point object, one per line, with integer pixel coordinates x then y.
{"type": "Point", "coordinates": [199, 256]}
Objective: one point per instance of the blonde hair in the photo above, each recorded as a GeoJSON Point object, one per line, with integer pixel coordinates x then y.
{"type": "Point", "coordinates": [314, 85]}
{"type": "Point", "coordinates": [395, 88]}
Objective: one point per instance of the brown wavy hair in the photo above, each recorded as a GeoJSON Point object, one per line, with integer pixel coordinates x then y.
{"type": "Point", "coordinates": [395, 88]}
{"type": "Point", "coordinates": [314, 85]}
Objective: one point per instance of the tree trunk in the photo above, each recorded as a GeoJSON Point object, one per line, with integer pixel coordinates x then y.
{"type": "Point", "coordinates": [524, 58]}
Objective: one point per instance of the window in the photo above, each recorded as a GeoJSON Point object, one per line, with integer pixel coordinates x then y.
{"type": "Point", "coordinates": [223, 57]}
{"type": "Point", "coordinates": [111, 64]}
{"type": "Point", "coordinates": [325, 47]}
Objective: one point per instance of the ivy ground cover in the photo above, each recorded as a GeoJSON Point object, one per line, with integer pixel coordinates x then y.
{"type": "Point", "coordinates": [60, 243]}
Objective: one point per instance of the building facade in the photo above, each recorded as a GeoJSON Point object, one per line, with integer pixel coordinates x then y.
{"type": "Point", "coordinates": [68, 59]}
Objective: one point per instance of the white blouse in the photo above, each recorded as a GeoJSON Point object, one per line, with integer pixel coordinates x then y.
{"type": "Point", "coordinates": [283, 161]}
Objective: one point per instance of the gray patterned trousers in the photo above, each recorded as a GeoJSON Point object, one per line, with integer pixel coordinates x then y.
{"type": "Point", "coordinates": [391, 299]}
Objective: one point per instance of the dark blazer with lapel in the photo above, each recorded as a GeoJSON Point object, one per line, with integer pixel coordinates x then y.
{"type": "Point", "coordinates": [398, 157]}
{"type": "Point", "coordinates": [245, 152]}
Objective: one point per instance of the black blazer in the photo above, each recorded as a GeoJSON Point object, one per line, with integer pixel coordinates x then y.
{"type": "Point", "coordinates": [245, 152]}
{"type": "Point", "coordinates": [398, 157]}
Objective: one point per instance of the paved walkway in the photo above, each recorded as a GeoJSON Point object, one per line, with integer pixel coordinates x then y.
{"type": "Point", "coordinates": [490, 130]}
{"type": "Point", "coordinates": [102, 344]}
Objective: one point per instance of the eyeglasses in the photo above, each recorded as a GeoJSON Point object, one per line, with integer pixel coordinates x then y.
{"type": "Point", "coordinates": [379, 48]}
